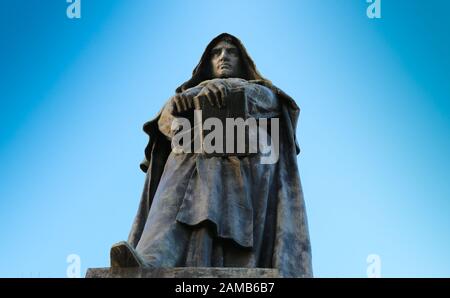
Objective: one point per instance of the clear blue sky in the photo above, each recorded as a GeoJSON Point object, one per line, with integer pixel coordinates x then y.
{"type": "Point", "coordinates": [374, 125]}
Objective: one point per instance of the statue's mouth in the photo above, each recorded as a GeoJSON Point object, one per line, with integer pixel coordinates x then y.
{"type": "Point", "coordinates": [225, 65]}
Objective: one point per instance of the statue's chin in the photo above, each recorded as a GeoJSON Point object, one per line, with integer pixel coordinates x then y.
{"type": "Point", "coordinates": [227, 75]}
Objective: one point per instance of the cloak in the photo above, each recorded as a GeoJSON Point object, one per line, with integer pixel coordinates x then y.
{"type": "Point", "coordinates": [286, 240]}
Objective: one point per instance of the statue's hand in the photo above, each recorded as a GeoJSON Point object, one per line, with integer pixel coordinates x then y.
{"type": "Point", "coordinates": [214, 92]}
{"type": "Point", "coordinates": [183, 102]}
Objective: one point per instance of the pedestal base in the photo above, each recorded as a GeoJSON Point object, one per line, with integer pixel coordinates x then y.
{"type": "Point", "coordinates": [182, 272]}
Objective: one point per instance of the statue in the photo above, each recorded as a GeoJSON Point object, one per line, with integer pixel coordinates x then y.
{"type": "Point", "coordinates": [223, 210]}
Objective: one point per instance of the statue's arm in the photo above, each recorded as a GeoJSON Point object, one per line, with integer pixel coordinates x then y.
{"type": "Point", "coordinates": [261, 101]}
{"type": "Point", "coordinates": [166, 118]}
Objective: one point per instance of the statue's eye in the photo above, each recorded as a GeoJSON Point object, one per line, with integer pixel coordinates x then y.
{"type": "Point", "coordinates": [233, 51]}
{"type": "Point", "coordinates": [216, 52]}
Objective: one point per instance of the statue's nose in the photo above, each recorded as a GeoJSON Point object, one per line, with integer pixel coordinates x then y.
{"type": "Point", "coordinates": [224, 55]}
{"type": "Point", "coordinates": [223, 52]}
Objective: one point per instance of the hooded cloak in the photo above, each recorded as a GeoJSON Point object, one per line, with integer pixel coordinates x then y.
{"type": "Point", "coordinates": [270, 231]}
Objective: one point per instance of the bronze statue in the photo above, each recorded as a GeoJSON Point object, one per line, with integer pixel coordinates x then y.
{"type": "Point", "coordinates": [226, 210]}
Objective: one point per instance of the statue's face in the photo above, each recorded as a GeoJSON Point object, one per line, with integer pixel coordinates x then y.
{"type": "Point", "coordinates": [225, 62]}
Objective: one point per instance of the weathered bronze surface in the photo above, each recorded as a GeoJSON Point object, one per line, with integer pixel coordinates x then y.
{"type": "Point", "coordinates": [200, 210]}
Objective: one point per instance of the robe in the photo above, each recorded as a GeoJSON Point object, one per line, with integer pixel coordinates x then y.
{"type": "Point", "coordinates": [230, 211]}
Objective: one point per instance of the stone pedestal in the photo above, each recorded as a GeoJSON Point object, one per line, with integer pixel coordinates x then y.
{"type": "Point", "coordinates": [182, 272]}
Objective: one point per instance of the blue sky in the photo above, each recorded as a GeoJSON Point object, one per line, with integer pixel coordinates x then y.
{"type": "Point", "coordinates": [374, 125]}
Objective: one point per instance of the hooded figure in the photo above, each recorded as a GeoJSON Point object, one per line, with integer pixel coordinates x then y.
{"type": "Point", "coordinates": [221, 211]}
